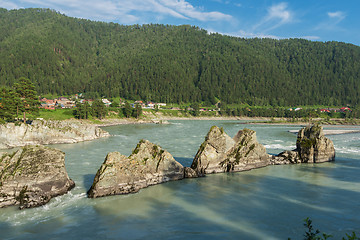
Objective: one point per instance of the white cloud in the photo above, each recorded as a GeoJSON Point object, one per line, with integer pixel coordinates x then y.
{"type": "Point", "coordinates": [338, 16]}
{"type": "Point", "coordinates": [311, 37]}
{"type": "Point", "coordinates": [277, 15]}
{"type": "Point", "coordinates": [185, 8]}
{"type": "Point", "coordinates": [332, 22]}
{"type": "Point", "coordinates": [244, 34]}
{"type": "Point", "coordinates": [125, 11]}
{"type": "Point", "coordinates": [8, 4]}
{"type": "Point", "coordinates": [279, 11]}
{"type": "Point", "coordinates": [221, 1]}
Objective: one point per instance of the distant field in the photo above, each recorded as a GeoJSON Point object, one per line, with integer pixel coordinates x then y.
{"type": "Point", "coordinates": [58, 114]}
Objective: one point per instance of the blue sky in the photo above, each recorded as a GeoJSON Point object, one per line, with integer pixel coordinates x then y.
{"type": "Point", "coordinates": [319, 20]}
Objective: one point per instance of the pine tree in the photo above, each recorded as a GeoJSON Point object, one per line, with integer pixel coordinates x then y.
{"type": "Point", "coordinates": [78, 111]}
{"type": "Point", "coordinates": [127, 110]}
{"type": "Point", "coordinates": [99, 109]}
{"type": "Point", "coordinates": [138, 111]}
{"type": "Point", "coordinates": [88, 110]}
{"type": "Point", "coordinates": [8, 103]}
{"type": "Point", "coordinates": [196, 108]}
{"type": "Point", "coordinates": [29, 103]}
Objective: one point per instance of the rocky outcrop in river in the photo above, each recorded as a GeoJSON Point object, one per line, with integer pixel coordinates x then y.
{"type": "Point", "coordinates": [149, 164]}
{"type": "Point", "coordinates": [31, 176]}
{"type": "Point", "coordinates": [221, 153]}
{"type": "Point", "coordinates": [47, 132]}
{"type": "Point", "coordinates": [311, 147]}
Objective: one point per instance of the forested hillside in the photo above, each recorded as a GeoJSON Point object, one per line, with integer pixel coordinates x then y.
{"type": "Point", "coordinates": [163, 63]}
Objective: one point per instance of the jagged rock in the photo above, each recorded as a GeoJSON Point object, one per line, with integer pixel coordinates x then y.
{"type": "Point", "coordinates": [247, 153]}
{"type": "Point", "coordinates": [212, 151]}
{"type": "Point", "coordinates": [149, 164]}
{"type": "Point", "coordinates": [190, 173]}
{"type": "Point", "coordinates": [220, 153]}
{"type": "Point", "coordinates": [286, 157]}
{"type": "Point", "coordinates": [311, 147]}
{"type": "Point", "coordinates": [31, 176]}
{"type": "Point", "coordinates": [47, 132]}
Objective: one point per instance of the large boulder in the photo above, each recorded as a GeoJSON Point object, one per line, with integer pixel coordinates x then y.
{"type": "Point", "coordinates": [48, 132]}
{"type": "Point", "coordinates": [311, 147]}
{"type": "Point", "coordinates": [221, 153]}
{"type": "Point", "coordinates": [149, 164]}
{"type": "Point", "coordinates": [32, 175]}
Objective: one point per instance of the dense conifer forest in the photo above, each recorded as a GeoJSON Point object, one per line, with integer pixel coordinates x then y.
{"type": "Point", "coordinates": [179, 64]}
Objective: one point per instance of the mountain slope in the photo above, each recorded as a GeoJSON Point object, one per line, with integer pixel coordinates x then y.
{"type": "Point", "coordinates": [64, 55]}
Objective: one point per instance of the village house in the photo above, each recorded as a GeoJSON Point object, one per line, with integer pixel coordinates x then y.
{"type": "Point", "coordinates": [325, 110]}
{"type": "Point", "coordinates": [106, 102]}
{"type": "Point", "coordinates": [47, 104]}
{"type": "Point", "coordinates": [343, 109]}
{"type": "Point", "coordinates": [150, 105]}
{"type": "Point", "coordinates": [141, 103]}
{"type": "Point", "coordinates": [295, 109]}
{"type": "Point", "coordinates": [63, 102]}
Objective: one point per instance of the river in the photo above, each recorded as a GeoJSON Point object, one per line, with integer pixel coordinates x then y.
{"type": "Point", "coordinates": [266, 203]}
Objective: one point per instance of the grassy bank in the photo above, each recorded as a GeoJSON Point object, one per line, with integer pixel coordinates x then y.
{"type": "Point", "coordinates": [167, 114]}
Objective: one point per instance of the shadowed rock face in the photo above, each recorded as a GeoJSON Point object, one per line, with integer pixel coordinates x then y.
{"type": "Point", "coordinates": [149, 164]}
{"type": "Point", "coordinates": [221, 153]}
{"type": "Point", "coordinates": [31, 176]}
{"type": "Point", "coordinates": [311, 147]}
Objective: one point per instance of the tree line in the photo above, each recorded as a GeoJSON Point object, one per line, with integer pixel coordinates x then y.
{"type": "Point", "coordinates": [22, 99]}
{"type": "Point", "coordinates": [172, 64]}
{"type": "Point", "coordinates": [281, 112]}
{"type": "Point", "coordinates": [18, 101]}
{"type": "Point", "coordinates": [98, 110]}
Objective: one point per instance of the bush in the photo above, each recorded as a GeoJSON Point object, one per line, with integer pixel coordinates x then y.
{"type": "Point", "coordinates": [315, 234]}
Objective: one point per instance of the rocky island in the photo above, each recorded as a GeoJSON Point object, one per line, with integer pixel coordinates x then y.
{"type": "Point", "coordinates": [31, 176]}
{"type": "Point", "coordinates": [149, 164]}
{"type": "Point", "coordinates": [221, 153]}
{"type": "Point", "coordinates": [47, 132]}
{"type": "Point", "coordinates": [311, 147]}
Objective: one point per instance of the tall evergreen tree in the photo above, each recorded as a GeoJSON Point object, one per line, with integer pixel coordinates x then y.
{"type": "Point", "coordinates": [82, 110]}
{"type": "Point", "coordinates": [196, 109]}
{"type": "Point", "coordinates": [99, 109]}
{"type": "Point", "coordinates": [137, 111]}
{"type": "Point", "coordinates": [8, 103]}
{"type": "Point", "coordinates": [127, 110]}
{"type": "Point", "coordinates": [29, 103]}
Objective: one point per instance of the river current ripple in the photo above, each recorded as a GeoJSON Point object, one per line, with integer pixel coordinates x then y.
{"type": "Point", "coordinates": [266, 203]}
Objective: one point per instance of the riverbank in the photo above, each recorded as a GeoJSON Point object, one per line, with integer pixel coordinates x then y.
{"type": "Point", "coordinates": [320, 121]}
{"type": "Point", "coordinates": [244, 120]}
{"type": "Point", "coordinates": [162, 120]}
{"type": "Point", "coordinates": [41, 132]}
{"type": "Point", "coordinates": [73, 130]}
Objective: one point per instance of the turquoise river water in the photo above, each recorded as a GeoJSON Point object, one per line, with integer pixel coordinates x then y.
{"type": "Point", "coordinates": [266, 203]}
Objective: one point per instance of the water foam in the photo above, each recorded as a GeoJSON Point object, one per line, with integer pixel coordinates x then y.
{"type": "Point", "coordinates": [347, 150]}
{"type": "Point", "coordinates": [279, 146]}
{"type": "Point", "coordinates": [52, 210]}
